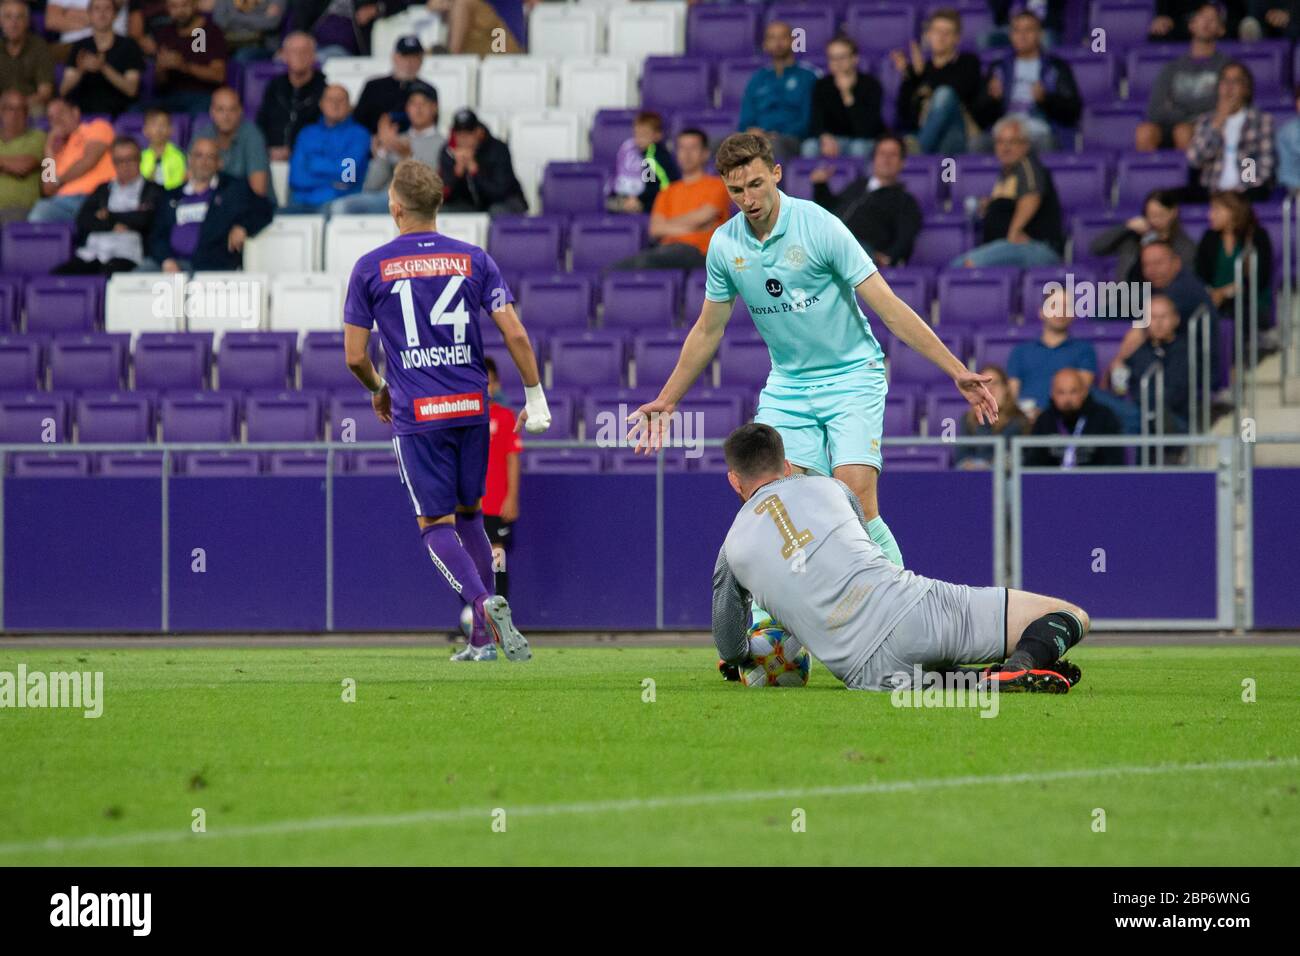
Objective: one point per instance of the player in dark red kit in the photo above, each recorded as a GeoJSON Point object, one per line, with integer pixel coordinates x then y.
{"type": "Point", "coordinates": [423, 291]}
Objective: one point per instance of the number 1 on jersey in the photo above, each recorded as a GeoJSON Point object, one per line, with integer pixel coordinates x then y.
{"type": "Point", "coordinates": [791, 539]}
{"type": "Point", "coordinates": [458, 317]}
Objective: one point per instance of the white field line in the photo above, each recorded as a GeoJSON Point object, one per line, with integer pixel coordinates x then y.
{"type": "Point", "coordinates": [182, 833]}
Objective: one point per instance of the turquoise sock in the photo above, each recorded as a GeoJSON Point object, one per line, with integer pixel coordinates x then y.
{"type": "Point", "coordinates": [881, 534]}
{"type": "Point", "coordinates": [758, 615]}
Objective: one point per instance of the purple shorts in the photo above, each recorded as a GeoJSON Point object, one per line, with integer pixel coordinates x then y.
{"type": "Point", "coordinates": [444, 468]}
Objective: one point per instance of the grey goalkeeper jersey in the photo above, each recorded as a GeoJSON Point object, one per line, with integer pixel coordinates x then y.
{"type": "Point", "coordinates": [799, 547]}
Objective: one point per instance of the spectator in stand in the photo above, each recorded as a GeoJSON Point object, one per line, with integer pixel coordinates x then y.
{"type": "Point", "coordinates": [81, 162]}
{"type": "Point", "coordinates": [26, 64]}
{"type": "Point", "coordinates": [1186, 87]}
{"type": "Point", "coordinates": [1011, 421]}
{"type": "Point", "coordinates": [643, 166]}
{"type": "Point", "coordinates": [252, 27]}
{"type": "Point", "coordinates": [1159, 220]}
{"type": "Point", "coordinates": [937, 96]}
{"type": "Point", "coordinates": [22, 147]}
{"type": "Point", "coordinates": [477, 170]}
{"type": "Point", "coordinates": [386, 94]}
{"type": "Point", "coordinates": [389, 147]}
{"type": "Point", "coordinates": [243, 150]}
{"type": "Point", "coordinates": [778, 98]}
{"type": "Point", "coordinates": [1271, 18]}
{"type": "Point", "coordinates": [1074, 412]}
{"type": "Point", "coordinates": [473, 25]}
{"type": "Point", "coordinates": [70, 19]}
{"type": "Point", "coordinates": [1232, 147]}
{"type": "Point", "coordinates": [162, 161]}
{"type": "Point", "coordinates": [331, 156]}
{"type": "Point", "coordinates": [203, 224]}
{"type": "Point", "coordinates": [1173, 19]}
{"type": "Point", "coordinates": [291, 100]}
{"type": "Point", "coordinates": [1031, 84]}
{"type": "Point", "coordinates": [1022, 217]}
{"type": "Point", "coordinates": [1234, 233]}
{"type": "Point", "coordinates": [1051, 13]}
{"type": "Point", "coordinates": [104, 69]}
{"type": "Point", "coordinates": [340, 27]}
{"type": "Point", "coordinates": [686, 213]}
{"type": "Point", "coordinates": [145, 19]}
{"type": "Point", "coordinates": [845, 106]}
{"type": "Point", "coordinates": [184, 77]}
{"type": "Point", "coordinates": [1288, 149]}
{"type": "Point", "coordinates": [115, 221]}
{"type": "Point", "coordinates": [1162, 343]}
{"type": "Point", "coordinates": [1032, 365]}
{"type": "Point", "coordinates": [501, 498]}
{"type": "Point", "coordinates": [882, 215]}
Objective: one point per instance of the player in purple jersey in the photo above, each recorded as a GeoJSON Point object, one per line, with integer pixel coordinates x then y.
{"type": "Point", "coordinates": [423, 291]}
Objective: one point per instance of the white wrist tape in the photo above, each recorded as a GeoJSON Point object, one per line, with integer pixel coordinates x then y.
{"type": "Point", "coordinates": [539, 413]}
{"type": "Point", "coordinates": [383, 384]}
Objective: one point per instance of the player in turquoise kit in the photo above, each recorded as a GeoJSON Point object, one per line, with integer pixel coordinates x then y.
{"type": "Point", "coordinates": [797, 267]}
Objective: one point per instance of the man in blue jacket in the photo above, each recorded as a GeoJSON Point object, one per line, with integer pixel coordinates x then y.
{"type": "Point", "coordinates": [204, 223]}
{"type": "Point", "coordinates": [1033, 84]}
{"type": "Point", "coordinates": [330, 157]}
{"type": "Point", "coordinates": [778, 98]}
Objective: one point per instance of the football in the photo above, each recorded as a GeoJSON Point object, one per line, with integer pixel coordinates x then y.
{"type": "Point", "coordinates": [778, 659]}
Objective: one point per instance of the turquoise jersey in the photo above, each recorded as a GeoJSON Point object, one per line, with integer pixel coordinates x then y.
{"type": "Point", "coordinates": [798, 284]}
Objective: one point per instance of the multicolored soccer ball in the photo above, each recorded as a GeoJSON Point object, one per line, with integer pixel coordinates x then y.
{"type": "Point", "coordinates": [778, 659]}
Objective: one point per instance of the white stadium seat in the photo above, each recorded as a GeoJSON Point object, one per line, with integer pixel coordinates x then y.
{"type": "Point", "coordinates": [516, 84]}
{"type": "Point", "coordinates": [429, 27]}
{"type": "Point", "coordinates": [307, 302]}
{"type": "Point", "coordinates": [471, 227]}
{"type": "Point", "coordinates": [456, 80]}
{"type": "Point", "coordinates": [138, 302]}
{"type": "Point", "coordinates": [348, 238]}
{"type": "Point", "coordinates": [498, 124]}
{"type": "Point", "coordinates": [226, 302]}
{"type": "Point", "coordinates": [563, 29]}
{"type": "Point", "coordinates": [597, 83]}
{"type": "Point", "coordinates": [351, 72]}
{"type": "Point", "coordinates": [638, 30]}
{"type": "Point", "coordinates": [541, 138]}
{"type": "Point", "coordinates": [288, 244]}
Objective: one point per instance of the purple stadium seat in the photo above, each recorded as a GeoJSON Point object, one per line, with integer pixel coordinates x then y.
{"type": "Point", "coordinates": [64, 303]}
{"type": "Point", "coordinates": [563, 404]}
{"type": "Point", "coordinates": [942, 408]}
{"type": "Point", "coordinates": [733, 77]}
{"type": "Point", "coordinates": [671, 83]}
{"type": "Point", "coordinates": [283, 416]}
{"type": "Point", "coordinates": [352, 418]}
{"type": "Point", "coordinates": [900, 414]}
{"type": "Point", "coordinates": [717, 125]}
{"type": "Point", "coordinates": [198, 417]}
{"type": "Point", "coordinates": [95, 361]}
{"type": "Point", "coordinates": [257, 77]}
{"type": "Point", "coordinates": [1108, 346]}
{"type": "Point", "coordinates": [974, 175]}
{"type": "Point", "coordinates": [1143, 65]}
{"type": "Point", "coordinates": [34, 248]}
{"type": "Point", "coordinates": [302, 464]}
{"type": "Point", "coordinates": [1125, 21]}
{"type": "Point", "coordinates": [647, 299]}
{"type": "Point", "coordinates": [603, 412]}
{"type": "Point", "coordinates": [1087, 226]}
{"type": "Point", "coordinates": [915, 458]}
{"type": "Point", "coordinates": [130, 464]}
{"type": "Point", "coordinates": [943, 236]}
{"type": "Point", "coordinates": [921, 177]}
{"type": "Point", "coordinates": [817, 20]}
{"type": "Point", "coordinates": [322, 362]}
{"type": "Point", "coordinates": [795, 181]}
{"type": "Point", "coordinates": [372, 462]}
{"type": "Point", "coordinates": [573, 188]}
{"type": "Point", "coordinates": [910, 366]}
{"type": "Point", "coordinates": [588, 358]}
{"type": "Point", "coordinates": [656, 354]}
{"type": "Point", "coordinates": [609, 129]}
{"type": "Point", "coordinates": [693, 296]}
{"type": "Point", "coordinates": [744, 362]}
{"type": "Point", "coordinates": [114, 417]}
{"type": "Point", "coordinates": [625, 461]}
{"type": "Point", "coordinates": [132, 125]}
{"type": "Point", "coordinates": [597, 242]}
{"type": "Point", "coordinates": [713, 461]}
{"type": "Point", "coordinates": [994, 347]}
{"type": "Point", "coordinates": [975, 296]}
{"type": "Point", "coordinates": [51, 464]}
{"type": "Point", "coordinates": [1033, 282]}
{"type": "Point", "coordinates": [523, 243]}
{"type": "Point", "coordinates": [11, 293]}
{"type": "Point", "coordinates": [1267, 60]}
{"type": "Point", "coordinates": [221, 464]}
{"type": "Point", "coordinates": [555, 300]}
{"type": "Point", "coordinates": [878, 28]}
{"type": "Point", "coordinates": [912, 284]}
{"type": "Point", "coordinates": [1095, 74]}
{"type": "Point", "coordinates": [562, 461]}
{"type": "Point", "coordinates": [719, 31]}
{"type": "Point", "coordinates": [1082, 180]}
{"type": "Point", "coordinates": [24, 417]}
{"type": "Point", "coordinates": [1111, 126]}
{"type": "Point", "coordinates": [256, 360]}
{"type": "Point", "coordinates": [1139, 173]}
{"type": "Point", "coordinates": [173, 360]}
{"type": "Point", "coordinates": [20, 363]}
{"type": "Point", "coordinates": [722, 411]}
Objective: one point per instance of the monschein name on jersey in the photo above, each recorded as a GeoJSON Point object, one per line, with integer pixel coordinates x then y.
{"type": "Point", "coordinates": [431, 356]}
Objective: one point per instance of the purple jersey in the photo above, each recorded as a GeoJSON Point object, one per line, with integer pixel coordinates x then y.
{"type": "Point", "coordinates": [424, 291]}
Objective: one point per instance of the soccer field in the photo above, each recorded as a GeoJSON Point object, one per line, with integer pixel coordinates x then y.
{"type": "Point", "coordinates": [589, 770]}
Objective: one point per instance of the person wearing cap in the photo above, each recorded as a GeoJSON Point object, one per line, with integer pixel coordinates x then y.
{"type": "Point", "coordinates": [477, 170]}
{"type": "Point", "coordinates": [387, 94]}
{"type": "Point", "coordinates": [390, 146]}
{"type": "Point", "coordinates": [331, 156]}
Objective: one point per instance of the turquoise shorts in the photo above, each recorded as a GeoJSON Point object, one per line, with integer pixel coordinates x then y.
{"type": "Point", "coordinates": [825, 426]}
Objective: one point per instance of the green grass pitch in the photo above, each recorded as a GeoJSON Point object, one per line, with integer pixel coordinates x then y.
{"type": "Point", "coordinates": [588, 772]}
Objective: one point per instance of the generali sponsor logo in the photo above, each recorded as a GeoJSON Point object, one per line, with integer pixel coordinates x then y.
{"type": "Point", "coordinates": [448, 406]}
{"type": "Point", "coordinates": [412, 267]}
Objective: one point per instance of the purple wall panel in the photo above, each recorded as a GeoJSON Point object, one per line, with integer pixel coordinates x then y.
{"type": "Point", "coordinates": [1277, 526]}
{"type": "Point", "coordinates": [82, 554]}
{"type": "Point", "coordinates": [1158, 532]}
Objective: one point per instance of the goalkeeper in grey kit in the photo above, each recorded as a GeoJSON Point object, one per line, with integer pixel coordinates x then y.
{"type": "Point", "coordinates": [799, 548]}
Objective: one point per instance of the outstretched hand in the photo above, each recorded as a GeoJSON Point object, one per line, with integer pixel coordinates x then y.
{"type": "Point", "coordinates": [650, 426]}
{"type": "Point", "coordinates": [974, 387]}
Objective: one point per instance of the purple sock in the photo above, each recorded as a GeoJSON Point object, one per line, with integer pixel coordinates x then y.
{"type": "Point", "coordinates": [474, 537]}
{"type": "Point", "coordinates": [451, 558]}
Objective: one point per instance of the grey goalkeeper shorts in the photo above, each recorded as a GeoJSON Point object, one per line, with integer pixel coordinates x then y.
{"type": "Point", "coordinates": [951, 624]}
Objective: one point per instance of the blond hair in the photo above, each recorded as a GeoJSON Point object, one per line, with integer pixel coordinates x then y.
{"type": "Point", "coordinates": [418, 188]}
